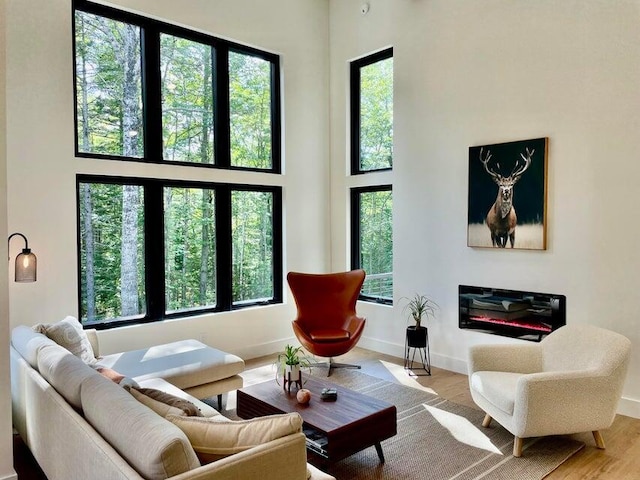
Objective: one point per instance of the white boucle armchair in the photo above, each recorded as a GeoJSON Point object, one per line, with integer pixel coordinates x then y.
{"type": "Point", "coordinates": [570, 382]}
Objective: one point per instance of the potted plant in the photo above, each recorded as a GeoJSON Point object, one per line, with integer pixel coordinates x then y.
{"type": "Point", "coordinates": [418, 307]}
{"type": "Point", "coordinates": [289, 363]}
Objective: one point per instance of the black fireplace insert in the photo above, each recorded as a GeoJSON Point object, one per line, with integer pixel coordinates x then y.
{"type": "Point", "coordinates": [511, 313]}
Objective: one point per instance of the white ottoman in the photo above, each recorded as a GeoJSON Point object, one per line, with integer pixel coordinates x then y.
{"type": "Point", "coordinates": [190, 365]}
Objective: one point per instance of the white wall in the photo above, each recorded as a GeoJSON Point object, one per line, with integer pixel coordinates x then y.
{"type": "Point", "coordinates": [472, 72]}
{"type": "Point", "coordinates": [42, 167]}
{"type": "Point", "coordinates": [6, 441]}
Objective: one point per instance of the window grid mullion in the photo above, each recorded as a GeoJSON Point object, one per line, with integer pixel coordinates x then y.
{"type": "Point", "coordinates": [355, 229]}
{"type": "Point", "coordinates": [152, 94]}
{"type": "Point", "coordinates": [221, 114]}
{"type": "Point", "coordinates": [276, 134]}
{"type": "Point", "coordinates": [355, 119]}
{"type": "Point", "coordinates": [154, 249]}
{"type": "Point", "coordinates": [224, 250]}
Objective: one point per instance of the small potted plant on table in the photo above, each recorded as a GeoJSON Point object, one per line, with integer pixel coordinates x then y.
{"type": "Point", "coordinates": [289, 364]}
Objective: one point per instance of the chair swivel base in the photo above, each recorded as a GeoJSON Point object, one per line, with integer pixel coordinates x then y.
{"type": "Point", "coordinates": [330, 364]}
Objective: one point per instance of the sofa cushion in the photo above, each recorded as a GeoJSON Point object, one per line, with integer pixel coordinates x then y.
{"type": "Point", "coordinates": [153, 446]}
{"type": "Point", "coordinates": [28, 343]}
{"type": "Point", "coordinates": [69, 334]}
{"type": "Point", "coordinates": [64, 372]}
{"type": "Point", "coordinates": [213, 439]}
{"type": "Point", "coordinates": [185, 363]}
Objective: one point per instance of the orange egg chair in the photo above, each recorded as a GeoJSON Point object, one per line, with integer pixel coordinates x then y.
{"type": "Point", "coordinates": [327, 324]}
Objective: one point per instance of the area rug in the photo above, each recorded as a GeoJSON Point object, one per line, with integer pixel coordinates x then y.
{"type": "Point", "coordinates": [440, 440]}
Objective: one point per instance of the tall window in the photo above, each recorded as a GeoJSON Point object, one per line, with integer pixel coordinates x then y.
{"type": "Point", "coordinates": [372, 113]}
{"type": "Point", "coordinates": [155, 92]}
{"type": "Point", "coordinates": [187, 100]}
{"type": "Point", "coordinates": [108, 87]}
{"type": "Point", "coordinates": [189, 248]}
{"type": "Point", "coordinates": [372, 151]}
{"type": "Point", "coordinates": [154, 248]}
{"type": "Point", "coordinates": [250, 111]}
{"type": "Point", "coordinates": [112, 279]}
{"type": "Point", "coordinates": [252, 240]}
{"type": "Point", "coordinates": [372, 240]}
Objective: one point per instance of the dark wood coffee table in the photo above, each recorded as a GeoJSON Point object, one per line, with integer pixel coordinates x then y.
{"type": "Point", "coordinates": [334, 429]}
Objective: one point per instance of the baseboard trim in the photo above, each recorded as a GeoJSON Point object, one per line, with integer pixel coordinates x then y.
{"type": "Point", "coordinates": [629, 407]}
{"type": "Point", "coordinates": [10, 476]}
{"type": "Point", "coordinates": [440, 361]}
{"type": "Point", "coordinates": [449, 363]}
{"type": "Point", "coordinates": [256, 350]}
{"type": "Point", "coordinates": [381, 346]}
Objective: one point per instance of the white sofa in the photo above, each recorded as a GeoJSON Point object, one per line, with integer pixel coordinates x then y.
{"type": "Point", "coordinates": [79, 424]}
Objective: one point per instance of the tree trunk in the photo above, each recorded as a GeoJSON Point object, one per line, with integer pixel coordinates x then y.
{"type": "Point", "coordinates": [129, 259]}
{"type": "Point", "coordinates": [206, 194]}
{"type": "Point", "coordinates": [129, 262]}
{"type": "Point", "coordinates": [87, 207]}
{"type": "Point", "coordinates": [186, 218]}
{"type": "Point", "coordinates": [204, 259]}
{"type": "Point", "coordinates": [170, 249]}
{"type": "Point", "coordinates": [89, 250]}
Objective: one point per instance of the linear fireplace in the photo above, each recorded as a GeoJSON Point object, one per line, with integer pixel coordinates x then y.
{"type": "Point", "coordinates": [511, 313]}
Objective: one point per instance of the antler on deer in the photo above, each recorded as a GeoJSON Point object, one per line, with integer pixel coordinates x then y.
{"type": "Point", "coordinates": [494, 175]}
{"type": "Point", "coordinates": [517, 172]}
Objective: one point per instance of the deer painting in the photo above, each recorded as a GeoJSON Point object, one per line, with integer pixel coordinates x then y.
{"type": "Point", "coordinates": [501, 218]}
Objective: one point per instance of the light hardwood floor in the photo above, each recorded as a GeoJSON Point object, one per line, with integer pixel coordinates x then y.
{"type": "Point", "coordinates": [620, 460]}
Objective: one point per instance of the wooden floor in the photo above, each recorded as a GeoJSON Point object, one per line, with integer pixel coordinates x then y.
{"type": "Point", "coordinates": [620, 460]}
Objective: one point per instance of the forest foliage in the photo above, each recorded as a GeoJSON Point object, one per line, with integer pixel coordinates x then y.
{"type": "Point", "coordinates": [376, 115]}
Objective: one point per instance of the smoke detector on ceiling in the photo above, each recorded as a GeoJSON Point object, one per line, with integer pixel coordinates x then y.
{"type": "Point", "coordinates": [364, 8]}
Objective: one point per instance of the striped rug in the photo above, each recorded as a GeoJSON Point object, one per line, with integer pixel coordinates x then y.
{"type": "Point", "coordinates": [440, 440]}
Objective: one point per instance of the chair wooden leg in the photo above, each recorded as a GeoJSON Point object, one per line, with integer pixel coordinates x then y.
{"type": "Point", "coordinates": [517, 447]}
{"type": "Point", "coordinates": [487, 421]}
{"type": "Point", "coordinates": [597, 436]}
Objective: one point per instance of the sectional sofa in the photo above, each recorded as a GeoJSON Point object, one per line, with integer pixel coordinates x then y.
{"type": "Point", "coordinates": [80, 424]}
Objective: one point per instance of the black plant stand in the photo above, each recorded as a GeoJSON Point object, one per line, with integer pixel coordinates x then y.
{"type": "Point", "coordinates": [417, 338]}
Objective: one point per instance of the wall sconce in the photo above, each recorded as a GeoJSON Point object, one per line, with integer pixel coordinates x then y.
{"type": "Point", "coordinates": [26, 262]}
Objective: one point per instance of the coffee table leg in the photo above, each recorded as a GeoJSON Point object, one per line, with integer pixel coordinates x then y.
{"type": "Point", "coordinates": [379, 450]}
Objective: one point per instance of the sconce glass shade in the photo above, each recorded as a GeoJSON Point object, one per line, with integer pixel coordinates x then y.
{"type": "Point", "coordinates": [26, 262]}
{"type": "Point", "coordinates": [26, 266]}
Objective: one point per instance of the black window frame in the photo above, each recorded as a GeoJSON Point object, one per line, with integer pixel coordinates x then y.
{"type": "Point", "coordinates": [356, 237]}
{"type": "Point", "coordinates": [154, 250]}
{"type": "Point", "coordinates": [152, 95]}
{"type": "Point", "coordinates": [355, 68]}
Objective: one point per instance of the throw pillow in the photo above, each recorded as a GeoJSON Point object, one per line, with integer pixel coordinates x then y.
{"type": "Point", "coordinates": [212, 440]}
{"type": "Point", "coordinates": [110, 374]}
{"type": "Point", "coordinates": [184, 407]}
{"type": "Point", "coordinates": [116, 377]}
{"type": "Point", "coordinates": [160, 408]}
{"type": "Point", "coordinates": [69, 334]}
